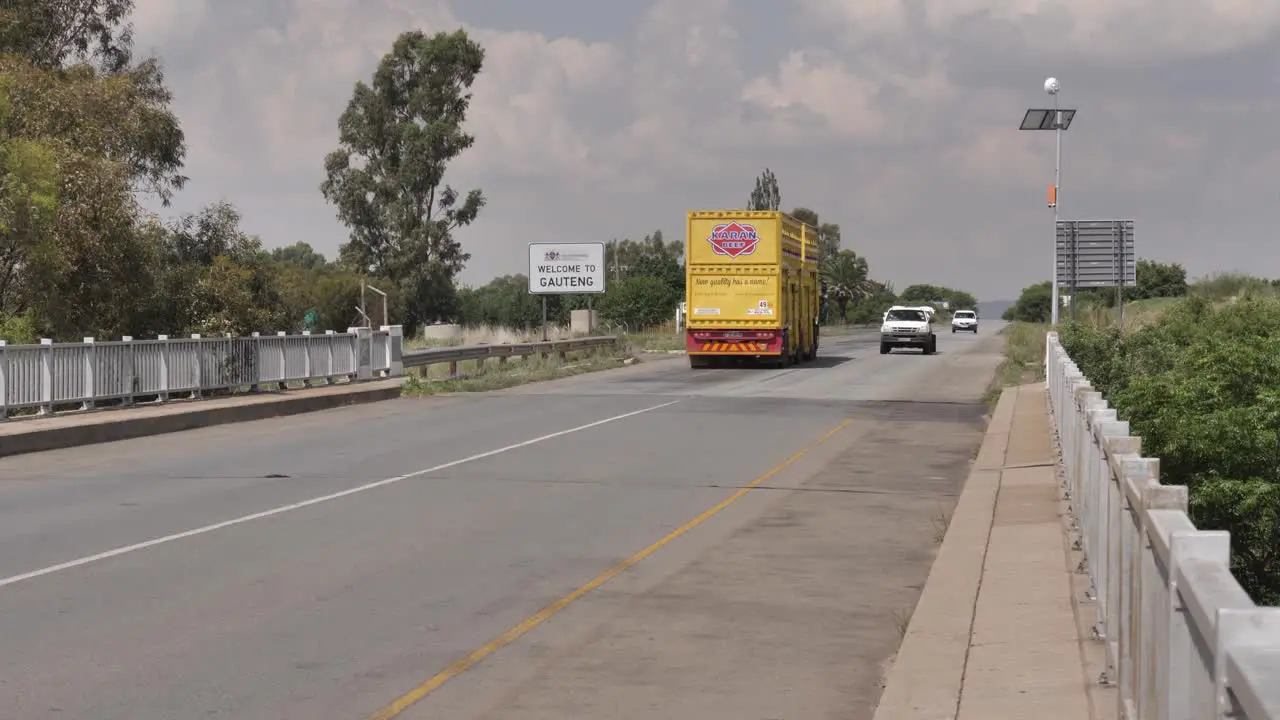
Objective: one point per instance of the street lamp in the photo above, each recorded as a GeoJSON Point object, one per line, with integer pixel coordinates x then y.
{"type": "Point", "coordinates": [1056, 119]}
{"type": "Point", "coordinates": [385, 321]}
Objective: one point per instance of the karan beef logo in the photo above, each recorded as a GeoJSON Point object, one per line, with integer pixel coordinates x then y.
{"type": "Point", "coordinates": [734, 239]}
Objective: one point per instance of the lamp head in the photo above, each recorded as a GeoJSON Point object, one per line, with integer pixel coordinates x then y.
{"type": "Point", "coordinates": [1051, 86]}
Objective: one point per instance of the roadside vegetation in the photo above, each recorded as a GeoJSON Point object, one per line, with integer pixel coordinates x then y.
{"type": "Point", "coordinates": [1196, 372]}
{"type": "Point", "coordinates": [473, 376]}
{"type": "Point", "coordinates": [1023, 358]}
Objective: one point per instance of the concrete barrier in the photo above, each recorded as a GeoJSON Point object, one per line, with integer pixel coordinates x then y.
{"type": "Point", "coordinates": [65, 431]}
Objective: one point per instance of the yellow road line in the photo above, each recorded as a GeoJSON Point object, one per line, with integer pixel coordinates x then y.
{"type": "Point", "coordinates": [460, 666]}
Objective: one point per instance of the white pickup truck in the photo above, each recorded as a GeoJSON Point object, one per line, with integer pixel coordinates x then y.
{"type": "Point", "coordinates": [966, 320]}
{"type": "Point", "coordinates": [908, 327]}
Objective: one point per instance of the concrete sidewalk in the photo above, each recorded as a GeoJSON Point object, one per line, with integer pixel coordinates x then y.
{"type": "Point", "coordinates": [54, 432]}
{"type": "Point", "coordinates": [998, 633]}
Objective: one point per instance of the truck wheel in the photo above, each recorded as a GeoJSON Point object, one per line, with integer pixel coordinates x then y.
{"type": "Point", "coordinates": [933, 344]}
{"type": "Point", "coordinates": [953, 331]}
{"type": "Point", "coordinates": [884, 348]}
{"type": "Point", "coordinates": [699, 362]}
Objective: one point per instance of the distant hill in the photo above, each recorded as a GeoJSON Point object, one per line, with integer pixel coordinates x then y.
{"type": "Point", "coordinates": [994, 309]}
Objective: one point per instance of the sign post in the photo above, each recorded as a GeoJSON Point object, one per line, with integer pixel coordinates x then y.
{"type": "Point", "coordinates": [565, 269]}
{"type": "Point", "coordinates": [1096, 254]}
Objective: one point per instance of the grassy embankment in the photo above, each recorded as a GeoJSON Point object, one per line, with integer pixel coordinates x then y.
{"type": "Point", "coordinates": [474, 376]}
{"type": "Point", "coordinates": [1024, 342]}
{"type": "Point", "coordinates": [1023, 358]}
{"type": "Point", "coordinates": [490, 375]}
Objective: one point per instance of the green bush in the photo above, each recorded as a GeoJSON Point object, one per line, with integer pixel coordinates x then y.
{"type": "Point", "coordinates": [639, 302]}
{"type": "Point", "coordinates": [1201, 386]}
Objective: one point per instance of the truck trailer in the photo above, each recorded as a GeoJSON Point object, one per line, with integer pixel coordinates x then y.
{"type": "Point", "coordinates": [752, 289]}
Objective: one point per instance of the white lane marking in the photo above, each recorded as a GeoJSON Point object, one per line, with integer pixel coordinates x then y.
{"type": "Point", "coordinates": [88, 559]}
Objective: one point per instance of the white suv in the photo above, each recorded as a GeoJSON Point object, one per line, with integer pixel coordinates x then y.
{"type": "Point", "coordinates": [966, 320]}
{"type": "Point", "coordinates": [907, 327]}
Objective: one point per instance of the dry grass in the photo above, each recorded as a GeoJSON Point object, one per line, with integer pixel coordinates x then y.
{"type": "Point", "coordinates": [474, 376]}
{"type": "Point", "coordinates": [1137, 313]}
{"type": "Point", "coordinates": [662, 339]}
{"type": "Point", "coordinates": [1023, 358]}
{"type": "Point", "coordinates": [490, 336]}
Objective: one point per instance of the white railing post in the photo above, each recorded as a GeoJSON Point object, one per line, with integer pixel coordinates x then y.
{"type": "Point", "coordinates": [4, 380]}
{"type": "Point", "coordinates": [1126, 522]}
{"type": "Point", "coordinates": [256, 339]}
{"type": "Point", "coordinates": [364, 352]}
{"type": "Point", "coordinates": [130, 369]}
{"type": "Point", "coordinates": [330, 337]}
{"type": "Point", "coordinates": [90, 363]}
{"type": "Point", "coordinates": [284, 360]}
{"type": "Point", "coordinates": [307, 371]}
{"type": "Point", "coordinates": [1243, 633]}
{"type": "Point", "coordinates": [198, 392]}
{"type": "Point", "coordinates": [1152, 653]}
{"type": "Point", "coordinates": [164, 368]}
{"type": "Point", "coordinates": [1188, 548]}
{"type": "Point", "coordinates": [395, 350]}
{"type": "Point", "coordinates": [46, 376]}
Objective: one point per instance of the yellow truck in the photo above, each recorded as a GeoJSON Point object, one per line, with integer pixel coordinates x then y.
{"type": "Point", "coordinates": [752, 289]}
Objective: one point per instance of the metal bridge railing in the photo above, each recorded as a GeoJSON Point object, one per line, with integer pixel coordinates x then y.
{"type": "Point", "coordinates": [453, 355]}
{"type": "Point", "coordinates": [54, 376]}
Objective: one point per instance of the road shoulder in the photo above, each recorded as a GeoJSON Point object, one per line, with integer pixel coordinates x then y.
{"type": "Point", "coordinates": [996, 633]}
{"type": "Point", "coordinates": [18, 437]}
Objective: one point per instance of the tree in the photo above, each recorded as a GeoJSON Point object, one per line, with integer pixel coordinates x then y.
{"type": "Point", "coordinates": [638, 302]}
{"type": "Point", "coordinates": [622, 256]}
{"type": "Point", "coordinates": [1197, 384]}
{"type": "Point", "coordinates": [828, 233]}
{"type": "Point", "coordinates": [921, 293]}
{"type": "Point", "coordinates": [924, 294]}
{"type": "Point", "coordinates": [868, 309]}
{"type": "Point", "coordinates": [766, 195]}
{"type": "Point", "coordinates": [217, 279]}
{"type": "Point", "coordinates": [847, 281]}
{"type": "Point", "coordinates": [1034, 304]}
{"type": "Point", "coordinates": [961, 300]}
{"type": "Point", "coordinates": [300, 255]}
{"type": "Point", "coordinates": [397, 137]}
{"type": "Point", "coordinates": [53, 32]}
{"type": "Point", "coordinates": [81, 265]}
{"type": "Point", "coordinates": [91, 41]}
{"type": "Point", "coordinates": [504, 302]}
{"type": "Point", "coordinates": [1156, 280]}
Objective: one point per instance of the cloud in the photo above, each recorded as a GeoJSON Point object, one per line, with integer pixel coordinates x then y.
{"type": "Point", "coordinates": [1146, 31]}
{"type": "Point", "coordinates": [896, 119]}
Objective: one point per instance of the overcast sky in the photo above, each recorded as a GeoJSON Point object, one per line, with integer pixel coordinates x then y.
{"type": "Point", "coordinates": [895, 118]}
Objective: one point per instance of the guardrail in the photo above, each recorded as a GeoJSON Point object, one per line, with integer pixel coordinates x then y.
{"type": "Point", "coordinates": [455, 355]}
{"type": "Point", "coordinates": [52, 376]}
{"type": "Point", "coordinates": [1184, 640]}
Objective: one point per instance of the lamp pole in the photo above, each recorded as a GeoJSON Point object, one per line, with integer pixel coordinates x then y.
{"type": "Point", "coordinates": [1057, 119]}
{"type": "Point", "coordinates": [385, 320]}
{"type": "Point", "coordinates": [1051, 86]}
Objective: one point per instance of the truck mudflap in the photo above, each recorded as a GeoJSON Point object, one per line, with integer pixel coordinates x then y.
{"type": "Point", "coordinates": [734, 342]}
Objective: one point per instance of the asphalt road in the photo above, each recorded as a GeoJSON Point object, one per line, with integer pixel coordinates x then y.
{"type": "Point", "coordinates": [323, 566]}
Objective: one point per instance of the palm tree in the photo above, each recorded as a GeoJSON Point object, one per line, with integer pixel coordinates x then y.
{"type": "Point", "coordinates": [845, 276]}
